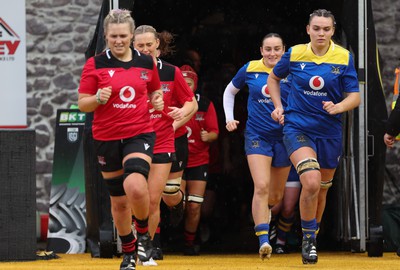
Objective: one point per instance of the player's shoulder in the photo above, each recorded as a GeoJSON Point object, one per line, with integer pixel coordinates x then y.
{"type": "Point", "coordinates": [257, 66]}
{"type": "Point", "coordinates": [166, 70]}
{"type": "Point", "coordinates": [203, 103]}
{"type": "Point", "coordinates": [298, 49]}
{"type": "Point", "coordinates": [142, 60]}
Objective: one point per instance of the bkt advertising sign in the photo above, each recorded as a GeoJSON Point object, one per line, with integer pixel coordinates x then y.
{"type": "Point", "coordinates": [13, 111]}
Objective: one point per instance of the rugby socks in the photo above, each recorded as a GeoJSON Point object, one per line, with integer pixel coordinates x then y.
{"type": "Point", "coordinates": [142, 226]}
{"type": "Point", "coordinates": [189, 238]}
{"type": "Point", "coordinates": [309, 228]}
{"type": "Point", "coordinates": [128, 243]}
{"type": "Point", "coordinates": [283, 228]}
{"type": "Point", "coordinates": [262, 233]}
{"type": "Point", "coordinates": [157, 237]}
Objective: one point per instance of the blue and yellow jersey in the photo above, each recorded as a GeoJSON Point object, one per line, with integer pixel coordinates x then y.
{"type": "Point", "coordinates": [315, 79]}
{"type": "Point", "coordinates": [254, 74]}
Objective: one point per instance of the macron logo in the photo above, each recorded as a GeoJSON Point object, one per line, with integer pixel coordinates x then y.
{"type": "Point", "coordinates": [302, 65]}
{"type": "Point", "coordinates": [111, 72]}
{"type": "Point", "coordinates": [146, 146]}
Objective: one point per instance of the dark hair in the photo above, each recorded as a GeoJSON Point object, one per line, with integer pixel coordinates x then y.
{"type": "Point", "coordinates": [322, 13]}
{"type": "Point", "coordinates": [165, 37]}
{"type": "Point", "coordinates": [272, 35]}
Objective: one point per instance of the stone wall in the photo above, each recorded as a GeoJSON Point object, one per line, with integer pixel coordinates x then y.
{"type": "Point", "coordinates": [58, 32]}
{"type": "Point", "coordinates": [387, 26]}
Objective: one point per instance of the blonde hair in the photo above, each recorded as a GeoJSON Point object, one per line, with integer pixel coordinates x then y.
{"type": "Point", "coordinates": [119, 16]}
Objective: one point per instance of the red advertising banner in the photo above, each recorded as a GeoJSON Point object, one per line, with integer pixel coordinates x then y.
{"type": "Point", "coordinates": [13, 111]}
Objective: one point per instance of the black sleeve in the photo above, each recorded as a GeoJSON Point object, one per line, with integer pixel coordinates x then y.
{"type": "Point", "coordinates": [393, 123]}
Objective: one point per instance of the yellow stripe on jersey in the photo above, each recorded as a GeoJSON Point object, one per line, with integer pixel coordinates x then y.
{"type": "Point", "coordinates": [258, 66]}
{"type": "Point", "coordinates": [335, 55]}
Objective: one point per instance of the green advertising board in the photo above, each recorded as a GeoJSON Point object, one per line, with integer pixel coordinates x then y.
{"type": "Point", "coordinates": [67, 210]}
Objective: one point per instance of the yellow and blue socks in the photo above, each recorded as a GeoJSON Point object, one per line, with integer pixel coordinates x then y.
{"type": "Point", "coordinates": [309, 228]}
{"type": "Point", "coordinates": [283, 228]}
{"type": "Point", "coordinates": [262, 233]}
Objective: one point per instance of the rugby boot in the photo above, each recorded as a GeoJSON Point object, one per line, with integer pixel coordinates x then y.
{"type": "Point", "coordinates": [128, 262]}
{"type": "Point", "coordinates": [309, 251]}
{"type": "Point", "coordinates": [144, 247]}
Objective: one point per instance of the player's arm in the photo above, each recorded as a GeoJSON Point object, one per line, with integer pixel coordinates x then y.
{"type": "Point", "coordinates": [89, 103]}
{"type": "Point", "coordinates": [274, 89]}
{"type": "Point", "coordinates": [229, 103]}
{"type": "Point", "coordinates": [189, 109]}
{"type": "Point", "coordinates": [351, 101]}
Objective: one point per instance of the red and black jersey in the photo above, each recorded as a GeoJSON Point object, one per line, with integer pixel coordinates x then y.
{"type": "Point", "coordinates": [204, 119]}
{"type": "Point", "coordinates": [126, 112]}
{"type": "Point", "coordinates": [176, 93]}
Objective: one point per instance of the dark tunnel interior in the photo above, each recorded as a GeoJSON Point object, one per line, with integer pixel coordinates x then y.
{"type": "Point", "coordinates": [227, 34]}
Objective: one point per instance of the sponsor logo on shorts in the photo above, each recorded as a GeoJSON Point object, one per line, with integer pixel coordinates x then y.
{"type": "Point", "coordinates": [101, 160]}
{"type": "Point", "coordinates": [146, 146]}
{"type": "Point", "coordinates": [255, 144]}
{"type": "Point", "coordinates": [300, 138]}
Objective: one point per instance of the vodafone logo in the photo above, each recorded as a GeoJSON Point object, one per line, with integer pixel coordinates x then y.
{"type": "Point", "coordinates": [265, 91]}
{"type": "Point", "coordinates": [9, 41]}
{"type": "Point", "coordinates": [189, 134]}
{"type": "Point", "coordinates": [127, 94]}
{"type": "Point", "coordinates": [189, 131]}
{"type": "Point", "coordinates": [316, 83]}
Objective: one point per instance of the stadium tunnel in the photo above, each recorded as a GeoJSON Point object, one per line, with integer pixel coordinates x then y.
{"type": "Point", "coordinates": [227, 34]}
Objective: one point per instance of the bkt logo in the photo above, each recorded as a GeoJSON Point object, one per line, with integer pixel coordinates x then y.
{"type": "Point", "coordinates": [72, 117]}
{"type": "Point", "coordinates": [9, 40]}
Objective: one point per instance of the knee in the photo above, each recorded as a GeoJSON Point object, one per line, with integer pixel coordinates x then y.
{"type": "Point", "coordinates": [193, 205]}
{"type": "Point", "coordinates": [310, 176]}
{"type": "Point", "coordinates": [311, 181]}
{"type": "Point", "coordinates": [136, 165]}
{"type": "Point", "coordinates": [172, 187]}
{"type": "Point", "coordinates": [192, 209]}
{"type": "Point", "coordinates": [119, 206]}
{"type": "Point", "coordinates": [275, 198]}
{"type": "Point", "coordinates": [154, 203]}
{"type": "Point", "coordinates": [261, 189]}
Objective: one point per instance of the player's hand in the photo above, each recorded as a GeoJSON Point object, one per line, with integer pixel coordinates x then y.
{"type": "Point", "coordinates": [389, 140]}
{"type": "Point", "coordinates": [176, 113]}
{"type": "Point", "coordinates": [204, 135]}
{"type": "Point", "coordinates": [232, 125]}
{"type": "Point", "coordinates": [331, 107]}
{"type": "Point", "coordinates": [104, 94]}
{"type": "Point", "coordinates": [278, 116]}
{"type": "Point", "coordinates": [157, 101]}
